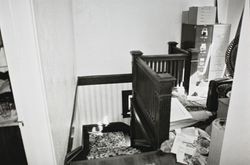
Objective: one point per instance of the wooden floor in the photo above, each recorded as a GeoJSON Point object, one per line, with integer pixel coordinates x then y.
{"type": "Point", "coordinates": [148, 158]}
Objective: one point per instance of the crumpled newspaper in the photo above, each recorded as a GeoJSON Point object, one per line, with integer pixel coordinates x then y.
{"type": "Point", "coordinates": [200, 146]}
{"type": "Point", "coordinates": [166, 146]}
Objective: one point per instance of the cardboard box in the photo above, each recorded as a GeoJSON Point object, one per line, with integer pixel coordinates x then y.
{"type": "Point", "coordinates": [185, 17]}
{"type": "Point", "coordinates": [202, 15]}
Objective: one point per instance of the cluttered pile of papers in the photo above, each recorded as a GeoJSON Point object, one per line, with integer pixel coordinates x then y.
{"type": "Point", "coordinates": [191, 145]}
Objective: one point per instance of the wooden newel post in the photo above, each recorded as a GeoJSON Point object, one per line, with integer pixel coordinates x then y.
{"type": "Point", "coordinates": [171, 46]}
{"type": "Point", "coordinates": [193, 53]}
{"type": "Point", "coordinates": [135, 54]}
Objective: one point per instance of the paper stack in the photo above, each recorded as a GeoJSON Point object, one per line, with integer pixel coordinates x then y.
{"type": "Point", "coordinates": [179, 117]}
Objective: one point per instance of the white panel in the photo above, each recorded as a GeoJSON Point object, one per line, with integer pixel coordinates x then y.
{"type": "Point", "coordinates": [236, 144]}
{"type": "Point", "coordinates": [233, 16]}
{"type": "Point", "coordinates": [56, 42]}
{"type": "Point", "coordinates": [101, 103]}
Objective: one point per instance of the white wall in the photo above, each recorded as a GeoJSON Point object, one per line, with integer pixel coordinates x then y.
{"type": "Point", "coordinates": [234, 13]}
{"type": "Point", "coordinates": [54, 24]}
{"type": "Point", "coordinates": [236, 144]}
{"type": "Point", "coordinates": [105, 31]}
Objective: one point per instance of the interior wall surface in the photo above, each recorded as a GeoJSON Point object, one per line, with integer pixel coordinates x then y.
{"type": "Point", "coordinates": [235, 9]}
{"type": "Point", "coordinates": [54, 22]}
{"type": "Point", "coordinates": [236, 145]}
{"type": "Point", "coordinates": [106, 31]}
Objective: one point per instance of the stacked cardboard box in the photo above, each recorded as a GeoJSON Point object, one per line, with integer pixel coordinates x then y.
{"type": "Point", "coordinates": [199, 15]}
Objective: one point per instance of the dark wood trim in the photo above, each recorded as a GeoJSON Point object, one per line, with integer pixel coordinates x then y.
{"type": "Point", "coordinates": [4, 75]}
{"type": "Point", "coordinates": [104, 79]}
{"type": "Point", "coordinates": [12, 149]}
{"type": "Point", "coordinates": [70, 156]}
{"type": "Point", "coordinates": [70, 140]}
{"type": "Point", "coordinates": [173, 49]}
{"type": "Point", "coordinates": [159, 57]}
{"type": "Point", "coordinates": [125, 103]}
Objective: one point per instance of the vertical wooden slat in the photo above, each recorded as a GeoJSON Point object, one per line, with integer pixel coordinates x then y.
{"type": "Point", "coordinates": [154, 65]}
{"type": "Point", "coordinates": [150, 64]}
{"type": "Point", "coordinates": [171, 67]}
{"type": "Point", "coordinates": [180, 70]}
{"type": "Point", "coordinates": [168, 67]}
{"type": "Point", "coordinates": [176, 72]}
{"type": "Point", "coordinates": [157, 67]}
{"type": "Point", "coordinates": [160, 67]}
{"type": "Point", "coordinates": [164, 66]}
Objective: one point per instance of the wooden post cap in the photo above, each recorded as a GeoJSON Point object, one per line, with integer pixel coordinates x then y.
{"type": "Point", "coordinates": [172, 43]}
{"type": "Point", "coordinates": [136, 53]}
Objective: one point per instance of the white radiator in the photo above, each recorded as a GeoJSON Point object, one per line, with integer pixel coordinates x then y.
{"type": "Point", "coordinates": [101, 104]}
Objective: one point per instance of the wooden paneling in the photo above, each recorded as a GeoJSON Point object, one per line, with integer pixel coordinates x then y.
{"type": "Point", "coordinates": [101, 103]}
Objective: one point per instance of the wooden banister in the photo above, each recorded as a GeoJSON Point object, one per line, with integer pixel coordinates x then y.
{"type": "Point", "coordinates": [154, 76]}
{"type": "Point", "coordinates": [151, 100]}
{"type": "Point", "coordinates": [173, 49]}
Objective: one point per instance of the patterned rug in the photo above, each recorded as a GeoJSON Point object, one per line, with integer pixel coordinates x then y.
{"type": "Point", "coordinates": [104, 145]}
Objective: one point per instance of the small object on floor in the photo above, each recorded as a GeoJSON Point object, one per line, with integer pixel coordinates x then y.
{"type": "Point", "coordinates": [195, 94]}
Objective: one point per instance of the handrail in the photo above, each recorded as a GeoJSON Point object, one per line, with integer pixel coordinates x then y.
{"type": "Point", "coordinates": [165, 56]}
{"type": "Point", "coordinates": [152, 74]}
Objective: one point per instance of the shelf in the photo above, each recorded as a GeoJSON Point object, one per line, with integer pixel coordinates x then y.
{"type": "Point", "coordinates": [9, 124]}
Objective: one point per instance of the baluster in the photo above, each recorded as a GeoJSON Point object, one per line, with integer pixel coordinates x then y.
{"type": "Point", "coordinates": [168, 67]}
{"type": "Point", "coordinates": [177, 72]}
{"type": "Point", "coordinates": [174, 71]}
{"type": "Point", "coordinates": [163, 66]}
{"type": "Point", "coordinates": [155, 66]}
{"type": "Point", "coordinates": [171, 67]}
{"type": "Point", "coordinates": [159, 67]}
{"type": "Point", "coordinates": [180, 70]}
{"type": "Point", "coordinates": [150, 64]}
